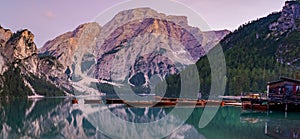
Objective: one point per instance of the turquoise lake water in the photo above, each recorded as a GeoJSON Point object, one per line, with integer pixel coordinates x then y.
{"type": "Point", "coordinates": [59, 118]}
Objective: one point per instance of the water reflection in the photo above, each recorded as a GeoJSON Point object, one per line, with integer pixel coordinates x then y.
{"type": "Point", "coordinates": [46, 118]}
{"type": "Point", "coordinates": [277, 124]}
{"type": "Point", "coordinates": [59, 118]}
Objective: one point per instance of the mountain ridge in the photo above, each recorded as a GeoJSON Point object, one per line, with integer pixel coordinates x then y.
{"type": "Point", "coordinates": [126, 28]}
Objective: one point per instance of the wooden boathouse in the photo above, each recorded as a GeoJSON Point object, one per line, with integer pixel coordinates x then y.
{"type": "Point", "coordinates": [284, 89]}
{"type": "Point", "coordinates": [282, 95]}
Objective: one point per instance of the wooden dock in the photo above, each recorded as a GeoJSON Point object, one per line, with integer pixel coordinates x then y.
{"type": "Point", "coordinates": [171, 102]}
{"type": "Point", "coordinates": [267, 104]}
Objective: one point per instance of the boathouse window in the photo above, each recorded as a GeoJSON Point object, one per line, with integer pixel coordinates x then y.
{"type": "Point", "coordinates": [298, 89]}
{"type": "Point", "coordinates": [288, 90]}
{"type": "Point", "coordinates": [281, 90]}
{"type": "Point", "coordinates": [273, 91]}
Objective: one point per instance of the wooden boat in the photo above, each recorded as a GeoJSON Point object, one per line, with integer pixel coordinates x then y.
{"type": "Point", "coordinates": [256, 107]}
{"type": "Point", "coordinates": [159, 98]}
{"type": "Point", "coordinates": [145, 94]}
{"type": "Point", "coordinates": [114, 101]}
{"type": "Point", "coordinates": [74, 101]}
{"type": "Point", "coordinates": [140, 103]}
{"type": "Point", "coordinates": [233, 104]}
{"type": "Point", "coordinates": [92, 101]}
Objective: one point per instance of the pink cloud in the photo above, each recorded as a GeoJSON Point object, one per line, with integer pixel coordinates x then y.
{"type": "Point", "coordinates": [49, 14]}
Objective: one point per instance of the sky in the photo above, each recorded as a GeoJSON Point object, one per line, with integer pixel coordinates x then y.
{"type": "Point", "coordinates": [49, 18]}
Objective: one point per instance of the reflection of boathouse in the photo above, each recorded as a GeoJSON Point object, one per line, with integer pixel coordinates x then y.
{"type": "Point", "coordinates": [279, 129]}
{"type": "Point", "coordinates": [276, 125]}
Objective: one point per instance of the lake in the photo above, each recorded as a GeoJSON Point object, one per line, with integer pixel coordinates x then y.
{"type": "Point", "coordinates": [59, 118]}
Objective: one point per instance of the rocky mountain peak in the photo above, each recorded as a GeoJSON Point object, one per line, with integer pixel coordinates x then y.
{"type": "Point", "coordinates": [289, 19]}
{"type": "Point", "coordinates": [84, 31]}
{"type": "Point", "coordinates": [5, 34]}
{"type": "Point", "coordinates": [160, 41]}
{"type": "Point", "coordinates": [20, 46]}
{"type": "Point", "coordinates": [137, 14]}
{"type": "Point", "coordinates": [287, 28]}
{"type": "Point", "coordinates": [146, 37]}
{"type": "Point", "coordinates": [87, 30]}
{"type": "Point", "coordinates": [141, 13]}
{"type": "Point", "coordinates": [75, 51]}
{"type": "Point", "coordinates": [73, 44]}
{"type": "Point", "coordinates": [23, 72]}
{"type": "Point", "coordinates": [133, 14]}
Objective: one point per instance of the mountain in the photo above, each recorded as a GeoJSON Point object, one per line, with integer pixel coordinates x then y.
{"type": "Point", "coordinates": [138, 45]}
{"type": "Point", "coordinates": [130, 49]}
{"type": "Point", "coordinates": [139, 33]}
{"type": "Point", "coordinates": [75, 62]}
{"type": "Point", "coordinates": [75, 51]}
{"type": "Point", "coordinates": [23, 72]}
{"type": "Point", "coordinates": [258, 52]}
{"type": "Point", "coordinates": [74, 48]}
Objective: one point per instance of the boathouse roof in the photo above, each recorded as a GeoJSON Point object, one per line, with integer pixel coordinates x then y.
{"type": "Point", "coordinates": [282, 79]}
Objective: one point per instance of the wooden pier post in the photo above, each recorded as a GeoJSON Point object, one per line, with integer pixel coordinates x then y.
{"type": "Point", "coordinates": [285, 115]}
{"type": "Point", "coordinates": [242, 105]}
{"type": "Point", "coordinates": [268, 107]}
{"type": "Point", "coordinates": [266, 128]}
{"type": "Point", "coordinates": [251, 105]}
{"type": "Point", "coordinates": [286, 107]}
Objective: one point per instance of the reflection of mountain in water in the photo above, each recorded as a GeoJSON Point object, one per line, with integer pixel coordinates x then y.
{"type": "Point", "coordinates": [58, 118]}
{"type": "Point", "coordinates": [51, 118]}
{"type": "Point", "coordinates": [128, 122]}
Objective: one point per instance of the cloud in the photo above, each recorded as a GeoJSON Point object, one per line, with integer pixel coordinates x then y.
{"type": "Point", "coordinates": [49, 15]}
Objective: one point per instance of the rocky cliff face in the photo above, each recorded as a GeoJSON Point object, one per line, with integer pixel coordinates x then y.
{"type": "Point", "coordinates": [75, 49]}
{"type": "Point", "coordinates": [20, 46]}
{"type": "Point", "coordinates": [131, 41]}
{"type": "Point", "coordinates": [5, 34]}
{"type": "Point", "coordinates": [21, 67]}
{"type": "Point", "coordinates": [139, 14]}
{"type": "Point", "coordinates": [143, 32]}
{"type": "Point", "coordinates": [287, 29]}
{"type": "Point", "coordinates": [289, 19]}
{"type": "Point", "coordinates": [148, 65]}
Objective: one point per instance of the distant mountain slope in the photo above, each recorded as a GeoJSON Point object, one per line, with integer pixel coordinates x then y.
{"type": "Point", "coordinates": [259, 52]}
